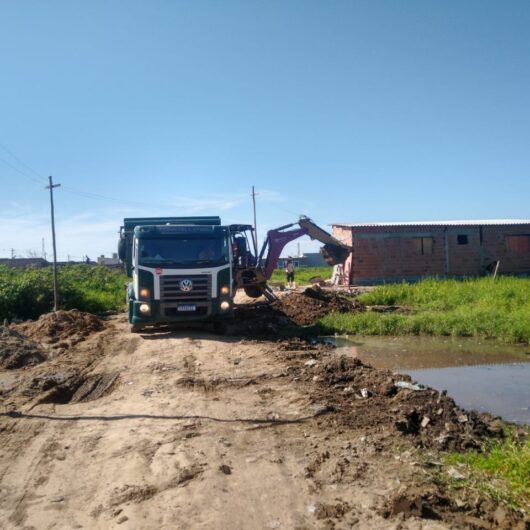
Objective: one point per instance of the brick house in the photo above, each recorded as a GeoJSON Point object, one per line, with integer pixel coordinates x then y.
{"type": "Point", "coordinates": [389, 252]}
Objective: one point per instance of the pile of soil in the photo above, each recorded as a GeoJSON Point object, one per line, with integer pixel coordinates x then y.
{"type": "Point", "coordinates": [257, 320]}
{"type": "Point", "coordinates": [300, 309]}
{"type": "Point", "coordinates": [17, 350]}
{"type": "Point", "coordinates": [61, 329]}
{"type": "Point", "coordinates": [308, 307]}
{"type": "Point", "coordinates": [364, 397]}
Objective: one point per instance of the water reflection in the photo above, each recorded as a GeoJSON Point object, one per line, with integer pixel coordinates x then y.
{"type": "Point", "coordinates": [430, 352]}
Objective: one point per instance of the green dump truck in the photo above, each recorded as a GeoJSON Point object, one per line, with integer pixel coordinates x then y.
{"type": "Point", "coordinates": [181, 269]}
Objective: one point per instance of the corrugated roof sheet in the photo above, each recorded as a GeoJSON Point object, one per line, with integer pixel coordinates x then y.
{"type": "Point", "coordinates": [498, 222]}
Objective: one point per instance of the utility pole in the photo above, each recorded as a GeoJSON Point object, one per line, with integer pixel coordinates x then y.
{"type": "Point", "coordinates": [55, 286]}
{"type": "Point", "coordinates": [255, 225]}
{"type": "Point", "coordinates": [43, 250]}
{"type": "Point", "coordinates": [12, 253]}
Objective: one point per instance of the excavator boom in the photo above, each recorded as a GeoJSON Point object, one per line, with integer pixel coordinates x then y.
{"type": "Point", "coordinates": [254, 278]}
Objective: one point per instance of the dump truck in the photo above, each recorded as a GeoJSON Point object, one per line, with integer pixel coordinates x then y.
{"type": "Point", "coordinates": [181, 269]}
{"type": "Point", "coordinates": [188, 269]}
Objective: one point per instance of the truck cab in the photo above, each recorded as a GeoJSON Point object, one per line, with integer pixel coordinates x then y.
{"type": "Point", "coordinates": [181, 269]}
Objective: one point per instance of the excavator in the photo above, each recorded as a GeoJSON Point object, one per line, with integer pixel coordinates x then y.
{"type": "Point", "coordinates": [252, 270]}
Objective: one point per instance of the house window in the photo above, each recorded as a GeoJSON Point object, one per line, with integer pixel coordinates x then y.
{"type": "Point", "coordinates": [519, 244]}
{"type": "Point", "coordinates": [423, 245]}
{"type": "Point", "coordinates": [461, 239]}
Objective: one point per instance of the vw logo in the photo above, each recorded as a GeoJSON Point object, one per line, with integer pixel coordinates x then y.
{"type": "Point", "coordinates": [186, 285]}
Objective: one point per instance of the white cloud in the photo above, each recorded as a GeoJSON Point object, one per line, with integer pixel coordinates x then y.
{"type": "Point", "coordinates": [94, 231]}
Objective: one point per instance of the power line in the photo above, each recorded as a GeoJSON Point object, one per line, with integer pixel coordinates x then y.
{"type": "Point", "coordinates": [24, 174]}
{"type": "Point", "coordinates": [91, 195]}
{"type": "Point", "coordinates": [22, 163]}
{"type": "Point", "coordinates": [75, 191]}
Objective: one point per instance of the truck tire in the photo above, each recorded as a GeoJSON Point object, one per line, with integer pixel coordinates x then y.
{"type": "Point", "coordinates": [220, 328]}
{"type": "Point", "coordinates": [253, 291]}
{"type": "Point", "coordinates": [136, 328]}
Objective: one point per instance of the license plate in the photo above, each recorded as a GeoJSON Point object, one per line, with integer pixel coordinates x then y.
{"type": "Point", "coordinates": [187, 307]}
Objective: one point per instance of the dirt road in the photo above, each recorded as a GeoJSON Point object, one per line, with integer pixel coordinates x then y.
{"type": "Point", "coordinates": [186, 429]}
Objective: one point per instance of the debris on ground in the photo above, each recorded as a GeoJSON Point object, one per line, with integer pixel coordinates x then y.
{"type": "Point", "coordinates": [62, 329]}
{"type": "Point", "coordinates": [17, 350]}
{"type": "Point", "coordinates": [318, 280]}
{"type": "Point", "coordinates": [428, 418]}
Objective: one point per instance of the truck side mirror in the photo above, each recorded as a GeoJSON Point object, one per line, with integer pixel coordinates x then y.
{"type": "Point", "coordinates": [122, 246]}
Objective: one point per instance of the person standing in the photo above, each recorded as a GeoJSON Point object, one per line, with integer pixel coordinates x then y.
{"type": "Point", "coordinates": [289, 272]}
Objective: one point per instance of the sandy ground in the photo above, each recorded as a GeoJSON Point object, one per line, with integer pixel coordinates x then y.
{"type": "Point", "coordinates": [193, 430]}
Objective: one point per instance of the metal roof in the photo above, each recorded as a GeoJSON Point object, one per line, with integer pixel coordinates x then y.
{"type": "Point", "coordinates": [498, 222]}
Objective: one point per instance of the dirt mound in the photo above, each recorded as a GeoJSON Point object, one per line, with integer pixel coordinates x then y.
{"type": "Point", "coordinates": [364, 396]}
{"type": "Point", "coordinates": [61, 329]}
{"type": "Point", "coordinates": [301, 309]}
{"type": "Point", "coordinates": [308, 307]}
{"type": "Point", "coordinates": [17, 350]}
{"type": "Point", "coordinates": [257, 320]}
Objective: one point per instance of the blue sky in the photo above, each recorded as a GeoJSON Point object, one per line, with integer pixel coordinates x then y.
{"type": "Point", "coordinates": [345, 111]}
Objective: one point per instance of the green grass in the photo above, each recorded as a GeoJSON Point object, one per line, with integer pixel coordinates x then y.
{"type": "Point", "coordinates": [502, 471]}
{"type": "Point", "coordinates": [28, 293]}
{"type": "Point", "coordinates": [303, 275]}
{"type": "Point", "coordinates": [470, 308]}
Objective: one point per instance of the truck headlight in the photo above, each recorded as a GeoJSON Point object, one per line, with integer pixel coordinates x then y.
{"type": "Point", "coordinates": [144, 293]}
{"type": "Point", "coordinates": [225, 305]}
{"type": "Point", "coordinates": [225, 289]}
{"type": "Point", "coordinates": [144, 308]}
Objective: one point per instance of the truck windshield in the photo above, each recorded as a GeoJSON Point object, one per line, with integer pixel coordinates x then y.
{"type": "Point", "coordinates": [187, 253]}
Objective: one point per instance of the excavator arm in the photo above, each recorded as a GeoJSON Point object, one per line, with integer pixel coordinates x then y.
{"type": "Point", "coordinates": [254, 278]}
{"type": "Point", "coordinates": [333, 250]}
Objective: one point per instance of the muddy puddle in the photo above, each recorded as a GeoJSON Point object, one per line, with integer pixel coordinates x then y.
{"type": "Point", "coordinates": [486, 376]}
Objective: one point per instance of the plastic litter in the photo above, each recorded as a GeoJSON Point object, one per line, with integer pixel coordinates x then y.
{"type": "Point", "coordinates": [409, 386]}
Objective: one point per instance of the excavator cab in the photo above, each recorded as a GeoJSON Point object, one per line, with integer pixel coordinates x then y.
{"type": "Point", "coordinates": [247, 275]}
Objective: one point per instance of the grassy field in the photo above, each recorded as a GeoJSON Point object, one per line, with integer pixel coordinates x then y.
{"type": "Point", "coordinates": [470, 308]}
{"type": "Point", "coordinates": [502, 471]}
{"type": "Point", "coordinates": [28, 293]}
{"type": "Point", "coordinates": [303, 275]}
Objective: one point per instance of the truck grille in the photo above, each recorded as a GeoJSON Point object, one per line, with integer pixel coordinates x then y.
{"type": "Point", "coordinates": [170, 290]}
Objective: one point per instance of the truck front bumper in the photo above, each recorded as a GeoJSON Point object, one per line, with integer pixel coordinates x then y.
{"type": "Point", "coordinates": [165, 313]}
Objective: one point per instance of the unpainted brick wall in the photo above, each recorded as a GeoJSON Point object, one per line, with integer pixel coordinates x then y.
{"type": "Point", "coordinates": [389, 253]}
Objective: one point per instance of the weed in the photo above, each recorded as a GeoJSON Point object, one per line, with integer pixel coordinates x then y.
{"type": "Point", "coordinates": [28, 293]}
{"type": "Point", "coordinates": [469, 308]}
{"type": "Point", "coordinates": [502, 470]}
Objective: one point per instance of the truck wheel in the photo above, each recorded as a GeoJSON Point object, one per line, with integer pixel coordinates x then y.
{"type": "Point", "coordinates": [219, 328]}
{"type": "Point", "coordinates": [253, 292]}
{"type": "Point", "coordinates": [136, 328]}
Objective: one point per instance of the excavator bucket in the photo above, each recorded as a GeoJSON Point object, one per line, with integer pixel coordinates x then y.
{"type": "Point", "coordinates": [333, 251]}
{"type": "Point", "coordinates": [333, 254]}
